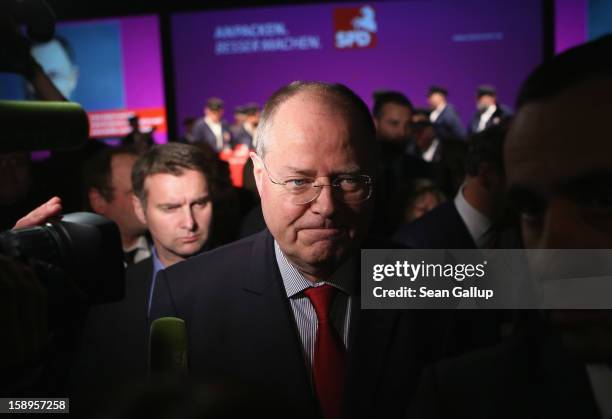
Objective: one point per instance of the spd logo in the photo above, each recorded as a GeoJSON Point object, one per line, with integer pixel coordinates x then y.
{"type": "Point", "coordinates": [355, 27]}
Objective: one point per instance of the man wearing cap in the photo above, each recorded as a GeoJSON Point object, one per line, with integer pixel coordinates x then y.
{"type": "Point", "coordinates": [489, 112]}
{"type": "Point", "coordinates": [245, 134]}
{"type": "Point", "coordinates": [443, 115]}
{"type": "Point", "coordinates": [211, 129]}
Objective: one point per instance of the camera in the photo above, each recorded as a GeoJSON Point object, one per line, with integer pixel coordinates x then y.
{"type": "Point", "coordinates": [84, 248]}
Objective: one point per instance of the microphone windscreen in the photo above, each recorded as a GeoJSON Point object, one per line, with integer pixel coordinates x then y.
{"type": "Point", "coordinates": [168, 346]}
{"type": "Point", "coordinates": [37, 125]}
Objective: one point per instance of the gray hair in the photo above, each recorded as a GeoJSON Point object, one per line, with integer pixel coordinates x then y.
{"type": "Point", "coordinates": [337, 94]}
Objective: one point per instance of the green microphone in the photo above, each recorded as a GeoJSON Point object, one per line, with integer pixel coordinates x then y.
{"type": "Point", "coordinates": [37, 125]}
{"type": "Point", "coordinates": [168, 346]}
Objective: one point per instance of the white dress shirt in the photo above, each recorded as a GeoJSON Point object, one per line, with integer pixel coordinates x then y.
{"type": "Point", "coordinates": [217, 129]}
{"type": "Point", "coordinates": [436, 112]}
{"type": "Point", "coordinates": [485, 116]}
{"type": "Point", "coordinates": [303, 311]}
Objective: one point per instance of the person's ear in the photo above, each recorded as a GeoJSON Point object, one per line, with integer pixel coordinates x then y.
{"type": "Point", "coordinates": [258, 171]}
{"type": "Point", "coordinates": [139, 210]}
{"type": "Point", "coordinates": [97, 202]}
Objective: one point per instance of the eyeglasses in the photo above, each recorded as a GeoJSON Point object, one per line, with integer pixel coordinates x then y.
{"type": "Point", "coordinates": [350, 189]}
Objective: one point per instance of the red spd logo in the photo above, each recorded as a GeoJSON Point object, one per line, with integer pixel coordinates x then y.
{"type": "Point", "coordinates": [355, 27]}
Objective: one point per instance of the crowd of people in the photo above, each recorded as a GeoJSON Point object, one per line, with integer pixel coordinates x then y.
{"type": "Point", "coordinates": [267, 279]}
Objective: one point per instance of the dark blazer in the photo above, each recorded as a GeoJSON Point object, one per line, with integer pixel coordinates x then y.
{"type": "Point", "coordinates": [501, 114]}
{"type": "Point", "coordinates": [203, 134]}
{"type": "Point", "coordinates": [114, 350]}
{"type": "Point", "coordinates": [440, 228]}
{"type": "Point", "coordinates": [241, 328]}
{"type": "Point", "coordinates": [517, 379]}
{"type": "Point", "coordinates": [242, 136]}
{"type": "Point", "coordinates": [448, 125]}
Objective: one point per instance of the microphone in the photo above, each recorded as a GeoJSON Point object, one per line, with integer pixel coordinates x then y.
{"type": "Point", "coordinates": [168, 346]}
{"type": "Point", "coordinates": [37, 125]}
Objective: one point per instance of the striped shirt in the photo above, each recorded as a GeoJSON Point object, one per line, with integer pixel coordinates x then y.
{"type": "Point", "coordinates": [303, 311]}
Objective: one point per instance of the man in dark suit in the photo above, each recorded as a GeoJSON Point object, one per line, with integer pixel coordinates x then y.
{"type": "Point", "coordinates": [443, 115]}
{"type": "Point", "coordinates": [489, 111]}
{"type": "Point", "coordinates": [172, 197]}
{"type": "Point", "coordinates": [280, 310]}
{"type": "Point", "coordinates": [245, 132]}
{"type": "Point", "coordinates": [468, 221]}
{"type": "Point", "coordinates": [444, 159]}
{"type": "Point", "coordinates": [211, 129]}
{"type": "Point", "coordinates": [560, 366]}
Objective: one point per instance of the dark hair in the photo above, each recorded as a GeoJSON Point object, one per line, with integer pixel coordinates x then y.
{"type": "Point", "coordinates": [486, 147]}
{"type": "Point", "coordinates": [381, 98]}
{"type": "Point", "coordinates": [437, 89]}
{"type": "Point", "coordinates": [337, 94]}
{"type": "Point", "coordinates": [171, 158]}
{"type": "Point", "coordinates": [97, 170]}
{"type": "Point", "coordinates": [592, 60]}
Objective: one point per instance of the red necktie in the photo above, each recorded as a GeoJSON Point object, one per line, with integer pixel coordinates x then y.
{"type": "Point", "coordinates": [329, 356]}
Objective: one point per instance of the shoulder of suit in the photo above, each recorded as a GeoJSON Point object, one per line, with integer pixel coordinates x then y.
{"type": "Point", "coordinates": [232, 257]}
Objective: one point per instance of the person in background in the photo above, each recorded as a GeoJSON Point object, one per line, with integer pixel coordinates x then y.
{"type": "Point", "coordinates": [108, 189]}
{"type": "Point", "coordinates": [443, 115]}
{"type": "Point", "coordinates": [489, 111]}
{"type": "Point", "coordinates": [188, 124]}
{"type": "Point", "coordinates": [422, 198]}
{"type": "Point", "coordinates": [467, 221]}
{"type": "Point", "coordinates": [445, 159]}
{"type": "Point", "coordinates": [140, 140]}
{"type": "Point", "coordinates": [246, 133]}
{"type": "Point", "coordinates": [211, 129]}
{"type": "Point", "coordinates": [559, 366]}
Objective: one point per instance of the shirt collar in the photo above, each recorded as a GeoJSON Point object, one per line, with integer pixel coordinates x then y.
{"type": "Point", "coordinates": [476, 222]}
{"type": "Point", "coordinates": [140, 244]}
{"type": "Point", "coordinates": [211, 123]}
{"type": "Point", "coordinates": [295, 282]}
{"type": "Point", "coordinates": [157, 264]}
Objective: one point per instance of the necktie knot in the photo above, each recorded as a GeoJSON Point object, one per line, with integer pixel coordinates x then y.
{"type": "Point", "coordinates": [321, 299]}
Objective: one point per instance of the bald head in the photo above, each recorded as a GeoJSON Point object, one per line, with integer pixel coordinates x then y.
{"type": "Point", "coordinates": [336, 97]}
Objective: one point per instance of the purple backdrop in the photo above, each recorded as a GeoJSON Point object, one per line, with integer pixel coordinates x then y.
{"type": "Point", "coordinates": [570, 23]}
{"type": "Point", "coordinates": [458, 45]}
{"type": "Point", "coordinates": [142, 63]}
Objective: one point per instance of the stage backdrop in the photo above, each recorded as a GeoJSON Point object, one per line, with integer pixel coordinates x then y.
{"type": "Point", "coordinates": [578, 21]}
{"type": "Point", "coordinates": [112, 67]}
{"type": "Point", "coordinates": [244, 55]}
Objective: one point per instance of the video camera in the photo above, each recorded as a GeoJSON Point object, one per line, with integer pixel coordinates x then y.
{"type": "Point", "coordinates": [83, 250]}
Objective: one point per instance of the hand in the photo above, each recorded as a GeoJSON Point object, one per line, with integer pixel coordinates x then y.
{"type": "Point", "coordinates": [50, 209]}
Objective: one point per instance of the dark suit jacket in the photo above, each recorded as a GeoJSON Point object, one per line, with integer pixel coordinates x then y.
{"type": "Point", "coordinates": [114, 348]}
{"type": "Point", "coordinates": [448, 125]}
{"type": "Point", "coordinates": [501, 114]}
{"type": "Point", "coordinates": [241, 328]}
{"type": "Point", "coordinates": [203, 134]}
{"type": "Point", "coordinates": [440, 228]}
{"type": "Point", "coordinates": [517, 379]}
{"type": "Point", "coordinates": [242, 136]}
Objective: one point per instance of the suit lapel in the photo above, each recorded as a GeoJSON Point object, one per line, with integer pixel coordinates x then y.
{"type": "Point", "coordinates": [270, 322]}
